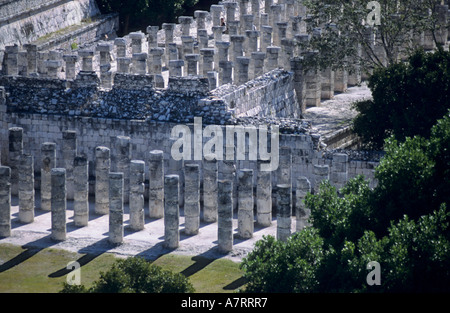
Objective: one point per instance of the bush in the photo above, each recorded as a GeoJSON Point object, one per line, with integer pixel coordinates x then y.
{"type": "Point", "coordinates": [408, 99]}
{"type": "Point", "coordinates": [135, 275]}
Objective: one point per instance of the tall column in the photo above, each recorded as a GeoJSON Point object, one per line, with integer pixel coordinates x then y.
{"type": "Point", "coordinates": [137, 187]}
{"type": "Point", "coordinates": [200, 18]}
{"type": "Point", "coordinates": [302, 213]}
{"type": "Point", "coordinates": [284, 176]}
{"type": "Point", "coordinates": [237, 46]}
{"type": "Point", "coordinates": [81, 191]}
{"type": "Point", "coordinates": [321, 172]}
{"type": "Point", "coordinates": [266, 39]}
{"type": "Point", "coordinates": [171, 211]}
{"type": "Point", "coordinates": [313, 84]}
{"type": "Point", "coordinates": [327, 84]}
{"type": "Point", "coordinates": [53, 68]}
{"type": "Point", "coordinates": [15, 136]}
{"type": "Point", "coordinates": [115, 207]}
{"type": "Point", "coordinates": [233, 28]}
{"type": "Point", "coordinates": [267, 5]}
{"type": "Point", "coordinates": [203, 38]}
{"type": "Point", "coordinates": [299, 84]}
{"type": "Point", "coordinates": [256, 13]}
{"type": "Point", "coordinates": [69, 152]}
{"type": "Point", "coordinates": [5, 201]}
{"type": "Point", "coordinates": [48, 161]}
{"type": "Point", "coordinates": [185, 22]}
{"type": "Point", "coordinates": [257, 64]}
{"type": "Point", "coordinates": [122, 158]}
{"type": "Point", "coordinates": [212, 80]}
{"type": "Point", "coordinates": [339, 175]}
{"type": "Point", "coordinates": [58, 204]}
{"type": "Point", "coordinates": [272, 58]}
{"type": "Point", "coordinates": [192, 64]}
{"type": "Point", "coordinates": [225, 74]}
{"type": "Point", "coordinates": [340, 80]}
{"type": "Point", "coordinates": [123, 65]}
{"type": "Point", "coordinates": [10, 60]}
{"type": "Point", "coordinates": [247, 23]}
{"type": "Point", "coordinates": [210, 176]}
{"type": "Point", "coordinates": [168, 32]}
{"type": "Point", "coordinates": [284, 208]}
{"type": "Point", "coordinates": [230, 8]}
{"type": "Point", "coordinates": [216, 11]}
{"type": "Point", "coordinates": [26, 189]}
{"type": "Point", "coordinates": [264, 197]}
{"type": "Point", "coordinates": [176, 68]}
{"type": "Point", "coordinates": [251, 42]}
{"type": "Point", "coordinates": [121, 47]}
{"type": "Point", "coordinates": [70, 60]}
{"type": "Point", "coordinates": [22, 63]}
{"type": "Point", "coordinates": [218, 32]}
{"type": "Point", "coordinates": [31, 57]}
{"type": "Point", "coordinates": [245, 203]}
{"type": "Point", "coordinates": [156, 184]}
{"type": "Point", "coordinates": [152, 37]}
{"type": "Point", "coordinates": [207, 60]}
{"type": "Point", "coordinates": [241, 70]}
{"type": "Point", "coordinates": [139, 61]}
{"type": "Point", "coordinates": [87, 57]}
{"type": "Point", "coordinates": [222, 47]}
{"type": "Point", "coordinates": [187, 44]}
{"type": "Point", "coordinates": [156, 66]}
{"type": "Point", "coordinates": [191, 199]}
{"type": "Point", "coordinates": [136, 42]}
{"type": "Point", "coordinates": [225, 216]}
{"type": "Point", "coordinates": [280, 32]}
{"type": "Point", "coordinates": [104, 50]}
{"type": "Point", "coordinates": [102, 168]}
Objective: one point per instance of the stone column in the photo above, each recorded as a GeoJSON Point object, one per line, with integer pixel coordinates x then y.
{"type": "Point", "coordinates": [136, 42]}
{"type": "Point", "coordinates": [302, 213]}
{"type": "Point", "coordinates": [69, 152]}
{"type": "Point", "coordinates": [210, 176]}
{"type": "Point", "coordinates": [71, 60]}
{"type": "Point", "coordinates": [284, 209]}
{"type": "Point", "coordinates": [340, 80]}
{"type": "Point", "coordinates": [191, 199]}
{"type": "Point", "coordinates": [237, 46]}
{"type": "Point", "coordinates": [299, 85]}
{"type": "Point", "coordinates": [247, 23]}
{"type": "Point", "coordinates": [200, 18]}
{"type": "Point", "coordinates": [115, 208]}
{"type": "Point", "coordinates": [275, 17]}
{"type": "Point", "coordinates": [42, 56]}
{"type": "Point", "coordinates": [81, 191]}
{"type": "Point", "coordinates": [281, 32]}
{"type": "Point", "coordinates": [156, 184]}
{"type": "Point", "coordinates": [230, 8]}
{"type": "Point", "coordinates": [233, 28]}
{"type": "Point", "coordinates": [172, 52]}
{"type": "Point", "coordinates": [225, 74]}
{"type": "Point", "coordinates": [122, 158]}
{"type": "Point", "coordinates": [31, 57]}
{"type": "Point", "coordinates": [87, 60]}
{"type": "Point", "coordinates": [22, 63]}
{"type": "Point", "coordinates": [104, 50]}
{"type": "Point", "coordinates": [257, 64]}
{"type": "Point", "coordinates": [225, 216]}
{"type": "Point", "coordinates": [321, 172]}
{"type": "Point", "coordinates": [192, 64]}
{"type": "Point", "coordinates": [339, 175]}
{"type": "Point", "coordinates": [26, 189]}
{"type": "Point", "coordinates": [284, 176]}
{"type": "Point", "coordinates": [152, 37]}
{"type": "Point", "coordinates": [287, 49]}
{"type": "Point", "coordinates": [171, 211]}
{"type": "Point", "coordinates": [168, 31]}
{"type": "Point", "coordinates": [256, 13]}
{"type": "Point", "coordinates": [241, 71]}
{"type": "Point", "coordinates": [5, 201]}
{"type": "Point", "coordinates": [139, 61]}
{"type": "Point", "coordinates": [212, 80]}
{"type": "Point", "coordinates": [266, 39]}
{"type": "Point", "coordinates": [137, 188]}
{"type": "Point", "coordinates": [185, 22]}
{"type": "Point", "coordinates": [327, 84]}
{"type": "Point", "coordinates": [10, 60]}
{"type": "Point", "coordinates": [267, 5]}
{"type": "Point", "coordinates": [272, 58]}
{"type": "Point", "coordinates": [123, 65]}
{"type": "Point", "coordinates": [222, 55]}
{"type": "Point", "coordinates": [53, 68]}
{"type": "Point", "coordinates": [156, 66]}
{"type": "Point", "coordinates": [313, 85]}
{"type": "Point", "coordinates": [187, 44]}
{"type": "Point", "coordinates": [58, 204]}
{"type": "Point", "coordinates": [207, 60]}
{"type": "Point", "coordinates": [176, 68]}
{"type": "Point", "coordinates": [203, 38]}
{"type": "Point", "coordinates": [252, 42]}
{"type": "Point", "coordinates": [15, 136]}
{"type": "Point", "coordinates": [245, 203]}
{"type": "Point", "coordinates": [216, 11]}
{"type": "Point", "coordinates": [121, 47]}
{"type": "Point", "coordinates": [48, 161]}
{"type": "Point", "coordinates": [264, 197]}
{"type": "Point", "coordinates": [102, 168]}
{"type": "Point", "coordinates": [264, 19]}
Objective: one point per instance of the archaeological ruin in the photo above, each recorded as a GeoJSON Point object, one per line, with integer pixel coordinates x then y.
{"type": "Point", "coordinates": [93, 123]}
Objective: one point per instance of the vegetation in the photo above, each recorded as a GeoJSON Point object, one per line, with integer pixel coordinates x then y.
{"type": "Point", "coordinates": [408, 99]}
{"type": "Point", "coordinates": [135, 275]}
{"type": "Point", "coordinates": [346, 25]}
{"type": "Point", "coordinates": [403, 224]}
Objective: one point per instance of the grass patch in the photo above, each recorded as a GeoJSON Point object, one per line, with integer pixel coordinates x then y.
{"type": "Point", "coordinates": [43, 270]}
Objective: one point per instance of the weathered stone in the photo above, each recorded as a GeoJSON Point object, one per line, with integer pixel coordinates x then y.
{"type": "Point", "coordinates": [102, 168]}
{"type": "Point", "coordinates": [26, 189]}
{"type": "Point", "coordinates": [171, 211]}
{"type": "Point", "coordinates": [245, 204]}
{"type": "Point", "coordinates": [115, 207]}
{"type": "Point", "coordinates": [225, 216]}
{"type": "Point", "coordinates": [58, 204]}
{"type": "Point", "coordinates": [48, 161]}
{"type": "Point", "coordinates": [80, 191]}
{"type": "Point", "coordinates": [136, 198]}
{"type": "Point", "coordinates": [284, 208]}
{"type": "Point", "coordinates": [5, 201]}
{"type": "Point", "coordinates": [156, 184]}
{"type": "Point", "coordinates": [191, 199]}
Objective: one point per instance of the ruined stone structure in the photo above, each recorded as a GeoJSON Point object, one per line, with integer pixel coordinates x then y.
{"type": "Point", "coordinates": [100, 121]}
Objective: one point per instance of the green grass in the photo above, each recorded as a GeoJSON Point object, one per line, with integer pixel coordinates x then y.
{"type": "Point", "coordinates": [28, 270]}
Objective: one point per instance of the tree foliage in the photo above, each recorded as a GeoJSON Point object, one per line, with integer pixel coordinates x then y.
{"type": "Point", "coordinates": [344, 32]}
{"type": "Point", "coordinates": [408, 99]}
{"type": "Point", "coordinates": [403, 224]}
{"type": "Point", "coordinates": [135, 275]}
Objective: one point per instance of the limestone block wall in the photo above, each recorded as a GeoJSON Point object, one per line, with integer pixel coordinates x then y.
{"type": "Point", "coordinates": [24, 21]}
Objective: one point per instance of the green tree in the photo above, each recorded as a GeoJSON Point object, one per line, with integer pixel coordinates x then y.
{"type": "Point", "coordinates": [136, 275]}
{"type": "Point", "coordinates": [408, 99]}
